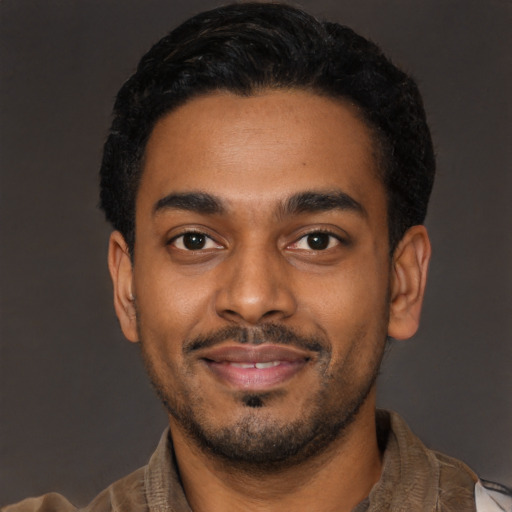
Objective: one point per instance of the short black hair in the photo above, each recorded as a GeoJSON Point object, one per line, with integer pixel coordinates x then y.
{"type": "Point", "coordinates": [249, 47]}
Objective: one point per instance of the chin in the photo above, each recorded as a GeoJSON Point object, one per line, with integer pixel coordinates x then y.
{"type": "Point", "coordinates": [259, 439]}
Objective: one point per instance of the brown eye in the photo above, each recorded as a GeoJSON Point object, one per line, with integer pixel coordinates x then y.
{"type": "Point", "coordinates": [194, 241]}
{"type": "Point", "coordinates": [318, 241]}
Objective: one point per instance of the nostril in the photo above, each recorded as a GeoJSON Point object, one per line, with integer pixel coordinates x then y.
{"type": "Point", "coordinates": [270, 313]}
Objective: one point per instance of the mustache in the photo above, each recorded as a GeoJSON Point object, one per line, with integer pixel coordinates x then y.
{"type": "Point", "coordinates": [267, 333]}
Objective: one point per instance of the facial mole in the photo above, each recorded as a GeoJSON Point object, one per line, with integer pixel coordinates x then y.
{"type": "Point", "coordinates": [253, 401]}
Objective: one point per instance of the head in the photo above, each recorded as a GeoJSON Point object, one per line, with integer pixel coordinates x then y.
{"type": "Point", "coordinates": [266, 175]}
{"type": "Point", "coordinates": [247, 48]}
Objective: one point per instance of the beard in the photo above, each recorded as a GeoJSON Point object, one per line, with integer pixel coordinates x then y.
{"type": "Point", "coordinates": [256, 441]}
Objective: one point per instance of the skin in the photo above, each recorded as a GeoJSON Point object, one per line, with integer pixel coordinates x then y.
{"type": "Point", "coordinates": [259, 266]}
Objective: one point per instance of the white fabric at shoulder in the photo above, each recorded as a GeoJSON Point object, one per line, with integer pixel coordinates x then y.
{"type": "Point", "coordinates": [487, 500]}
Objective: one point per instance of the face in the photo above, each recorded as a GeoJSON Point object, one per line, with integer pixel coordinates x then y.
{"type": "Point", "coordinates": [261, 272]}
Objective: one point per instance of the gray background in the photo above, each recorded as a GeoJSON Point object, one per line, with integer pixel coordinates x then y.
{"type": "Point", "coordinates": [76, 409]}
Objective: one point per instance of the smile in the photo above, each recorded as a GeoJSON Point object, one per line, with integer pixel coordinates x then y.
{"type": "Point", "coordinates": [254, 368]}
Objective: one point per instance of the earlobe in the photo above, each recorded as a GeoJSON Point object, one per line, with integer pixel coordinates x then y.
{"type": "Point", "coordinates": [408, 280]}
{"type": "Point", "coordinates": [121, 272]}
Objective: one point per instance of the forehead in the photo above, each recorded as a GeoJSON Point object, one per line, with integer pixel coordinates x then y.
{"type": "Point", "coordinates": [260, 148]}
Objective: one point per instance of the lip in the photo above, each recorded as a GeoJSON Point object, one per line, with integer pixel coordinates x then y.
{"type": "Point", "coordinates": [257, 368]}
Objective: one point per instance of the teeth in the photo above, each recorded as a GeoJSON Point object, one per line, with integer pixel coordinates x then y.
{"type": "Point", "coordinates": [270, 364]}
{"type": "Point", "coordinates": [260, 366]}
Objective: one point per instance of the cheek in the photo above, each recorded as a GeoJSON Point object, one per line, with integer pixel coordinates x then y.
{"type": "Point", "coordinates": [352, 308]}
{"type": "Point", "coordinates": [348, 296]}
{"type": "Point", "coordinates": [166, 300]}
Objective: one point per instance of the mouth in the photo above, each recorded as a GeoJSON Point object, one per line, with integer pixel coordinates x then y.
{"type": "Point", "coordinates": [254, 368]}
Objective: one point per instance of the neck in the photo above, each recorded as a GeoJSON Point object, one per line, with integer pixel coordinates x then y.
{"type": "Point", "coordinates": [335, 480]}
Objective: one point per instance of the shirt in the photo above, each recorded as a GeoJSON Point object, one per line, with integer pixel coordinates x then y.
{"type": "Point", "coordinates": [414, 479]}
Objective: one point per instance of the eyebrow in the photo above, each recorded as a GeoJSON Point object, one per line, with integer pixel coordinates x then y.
{"type": "Point", "coordinates": [302, 202]}
{"type": "Point", "coordinates": [321, 201]}
{"type": "Point", "coordinates": [199, 202]}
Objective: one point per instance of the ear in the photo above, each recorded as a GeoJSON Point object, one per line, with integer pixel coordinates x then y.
{"type": "Point", "coordinates": [121, 272]}
{"type": "Point", "coordinates": [408, 280]}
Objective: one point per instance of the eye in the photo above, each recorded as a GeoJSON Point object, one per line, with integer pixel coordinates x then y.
{"type": "Point", "coordinates": [317, 241]}
{"type": "Point", "coordinates": [194, 241]}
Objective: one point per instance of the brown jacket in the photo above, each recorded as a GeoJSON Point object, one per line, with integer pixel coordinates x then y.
{"type": "Point", "coordinates": [414, 478]}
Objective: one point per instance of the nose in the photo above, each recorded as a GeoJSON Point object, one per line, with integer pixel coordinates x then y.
{"type": "Point", "coordinates": [255, 287]}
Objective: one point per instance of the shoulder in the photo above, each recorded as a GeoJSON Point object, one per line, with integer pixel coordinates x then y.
{"type": "Point", "coordinates": [488, 496]}
{"type": "Point", "coordinates": [127, 494]}
{"type": "Point", "coordinates": [51, 502]}
{"type": "Point", "coordinates": [451, 484]}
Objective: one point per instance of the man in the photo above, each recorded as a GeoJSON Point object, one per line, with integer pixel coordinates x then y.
{"type": "Point", "coordinates": [267, 177]}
